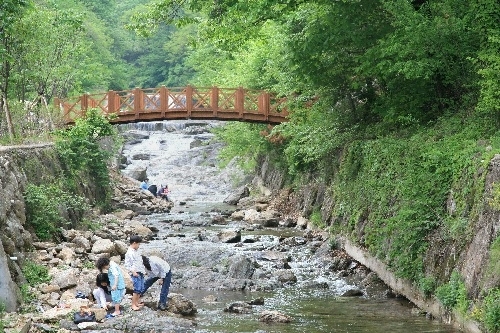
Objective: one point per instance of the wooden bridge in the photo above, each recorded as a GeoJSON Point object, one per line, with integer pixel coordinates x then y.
{"type": "Point", "coordinates": [179, 103]}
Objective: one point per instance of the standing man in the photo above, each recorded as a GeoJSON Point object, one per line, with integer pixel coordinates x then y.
{"type": "Point", "coordinates": [158, 269]}
{"type": "Point", "coordinates": [133, 264]}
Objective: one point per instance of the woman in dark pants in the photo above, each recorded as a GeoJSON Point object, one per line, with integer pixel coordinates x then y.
{"type": "Point", "coordinates": [158, 269]}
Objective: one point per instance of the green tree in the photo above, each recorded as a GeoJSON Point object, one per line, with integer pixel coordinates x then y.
{"type": "Point", "coordinates": [11, 12]}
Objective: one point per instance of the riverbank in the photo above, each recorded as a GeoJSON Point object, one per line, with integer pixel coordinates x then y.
{"type": "Point", "coordinates": [232, 255]}
{"type": "Point", "coordinates": [209, 260]}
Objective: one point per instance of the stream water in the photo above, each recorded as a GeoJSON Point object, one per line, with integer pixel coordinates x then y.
{"type": "Point", "coordinates": [198, 188]}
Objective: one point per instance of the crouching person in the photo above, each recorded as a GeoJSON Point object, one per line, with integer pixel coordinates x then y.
{"type": "Point", "coordinates": [102, 294]}
{"type": "Point", "coordinates": [158, 270]}
{"type": "Point", "coordinates": [116, 280]}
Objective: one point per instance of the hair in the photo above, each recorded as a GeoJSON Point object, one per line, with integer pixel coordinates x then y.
{"type": "Point", "coordinates": [101, 262]}
{"type": "Point", "coordinates": [100, 278]}
{"type": "Point", "coordinates": [135, 239]}
{"type": "Point", "coordinates": [146, 263]}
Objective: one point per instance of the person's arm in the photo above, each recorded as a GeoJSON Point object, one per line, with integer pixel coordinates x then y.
{"type": "Point", "coordinates": [114, 271]}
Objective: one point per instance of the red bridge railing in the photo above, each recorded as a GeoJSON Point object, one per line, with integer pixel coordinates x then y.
{"type": "Point", "coordinates": [179, 103]}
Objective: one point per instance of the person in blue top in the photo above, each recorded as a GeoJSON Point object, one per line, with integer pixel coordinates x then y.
{"type": "Point", "coordinates": [145, 185]}
{"type": "Point", "coordinates": [158, 269]}
{"type": "Point", "coordinates": [116, 281]}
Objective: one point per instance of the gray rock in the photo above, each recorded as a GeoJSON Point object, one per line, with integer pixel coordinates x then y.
{"type": "Point", "coordinates": [238, 307]}
{"type": "Point", "coordinates": [354, 292]}
{"type": "Point", "coordinates": [141, 156]}
{"type": "Point", "coordinates": [229, 236]}
{"type": "Point", "coordinates": [65, 279]}
{"type": "Point", "coordinates": [179, 304]}
{"type": "Point", "coordinates": [285, 276]}
{"type": "Point", "coordinates": [274, 317]}
{"type": "Point", "coordinates": [240, 193]}
{"type": "Point", "coordinates": [139, 173]}
{"type": "Point", "coordinates": [241, 268]}
{"type": "Point", "coordinates": [103, 246]}
{"type": "Point", "coordinates": [82, 242]}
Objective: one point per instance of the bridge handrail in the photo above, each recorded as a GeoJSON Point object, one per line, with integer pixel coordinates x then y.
{"type": "Point", "coordinates": [179, 103]}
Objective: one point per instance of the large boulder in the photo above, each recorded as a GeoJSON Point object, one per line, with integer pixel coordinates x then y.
{"type": "Point", "coordinates": [179, 304]}
{"type": "Point", "coordinates": [103, 246]}
{"type": "Point", "coordinates": [237, 195]}
{"type": "Point", "coordinates": [274, 317]}
{"type": "Point", "coordinates": [139, 173]}
{"type": "Point", "coordinates": [82, 242]}
{"type": "Point", "coordinates": [229, 236]}
{"type": "Point", "coordinates": [241, 268]}
{"type": "Point", "coordinates": [64, 278]}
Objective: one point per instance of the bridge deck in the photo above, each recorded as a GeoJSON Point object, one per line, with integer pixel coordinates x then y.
{"type": "Point", "coordinates": [179, 103]}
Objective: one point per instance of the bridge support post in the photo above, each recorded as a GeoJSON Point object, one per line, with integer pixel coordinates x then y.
{"type": "Point", "coordinates": [138, 102]}
{"type": "Point", "coordinates": [163, 101]}
{"type": "Point", "coordinates": [240, 101]}
{"type": "Point", "coordinates": [264, 101]}
{"type": "Point", "coordinates": [214, 100]}
{"type": "Point", "coordinates": [84, 104]}
{"type": "Point", "coordinates": [189, 100]}
{"type": "Point", "coordinates": [111, 107]}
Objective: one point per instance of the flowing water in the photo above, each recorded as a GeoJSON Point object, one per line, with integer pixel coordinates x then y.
{"type": "Point", "coordinates": [198, 188]}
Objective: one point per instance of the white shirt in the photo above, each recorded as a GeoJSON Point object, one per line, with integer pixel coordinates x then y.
{"type": "Point", "coordinates": [159, 267]}
{"type": "Point", "coordinates": [133, 261]}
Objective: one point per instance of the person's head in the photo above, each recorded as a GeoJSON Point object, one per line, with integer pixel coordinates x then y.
{"type": "Point", "coordinates": [146, 180]}
{"type": "Point", "coordinates": [102, 280]}
{"type": "Point", "coordinates": [135, 241]}
{"type": "Point", "coordinates": [102, 263]}
{"type": "Point", "coordinates": [146, 263]}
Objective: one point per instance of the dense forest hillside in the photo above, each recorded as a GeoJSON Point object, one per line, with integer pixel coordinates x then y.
{"type": "Point", "coordinates": [394, 107]}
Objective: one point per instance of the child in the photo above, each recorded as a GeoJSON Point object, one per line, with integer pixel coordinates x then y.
{"type": "Point", "coordinates": [115, 280]}
{"type": "Point", "coordinates": [158, 269]}
{"type": "Point", "coordinates": [102, 294]}
{"type": "Point", "coordinates": [135, 267]}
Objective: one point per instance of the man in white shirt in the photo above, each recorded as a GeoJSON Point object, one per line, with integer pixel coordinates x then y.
{"type": "Point", "coordinates": [158, 269]}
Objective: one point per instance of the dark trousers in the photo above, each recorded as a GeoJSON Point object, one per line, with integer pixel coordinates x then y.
{"type": "Point", "coordinates": [164, 287]}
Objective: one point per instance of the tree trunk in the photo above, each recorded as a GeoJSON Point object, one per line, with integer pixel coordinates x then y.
{"type": "Point", "coordinates": [10, 126]}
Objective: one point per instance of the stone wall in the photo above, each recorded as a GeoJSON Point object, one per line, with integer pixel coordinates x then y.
{"type": "Point", "coordinates": [18, 166]}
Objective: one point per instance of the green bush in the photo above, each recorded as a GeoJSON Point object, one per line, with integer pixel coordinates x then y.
{"type": "Point", "coordinates": [46, 206]}
{"type": "Point", "coordinates": [34, 273]}
{"type": "Point", "coordinates": [491, 311]}
{"type": "Point", "coordinates": [80, 148]}
{"type": "Point", "coordinates": [453, 295]}
{"type": "Point", "coordinates": [244, 141]}
{"type": "Point", "coordinates": [316, 219]}
{"type": "Point", "coordinates": [427, 285]}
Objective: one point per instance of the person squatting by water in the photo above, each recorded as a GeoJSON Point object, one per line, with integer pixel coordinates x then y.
{"type": "Point", "coordinates": [116, 281]}
{"type": "Point", "coordinates": [135, 267]}
{"type": "Point", "coordinates": [158, 270]}
{"type": "Point", "coordinates": [102, 294]}
{"type": "Point", "coordinates": [163, 192]}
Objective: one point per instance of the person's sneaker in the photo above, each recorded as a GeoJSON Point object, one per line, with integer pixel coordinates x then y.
{"type": "Point", "coordinates": [162, 307]}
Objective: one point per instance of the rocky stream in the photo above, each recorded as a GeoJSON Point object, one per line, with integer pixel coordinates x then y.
{"type": "Point", "coordinates": [238, 264]}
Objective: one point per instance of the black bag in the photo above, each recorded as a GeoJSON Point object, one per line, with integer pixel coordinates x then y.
{"type": "Point", "coordinates": [81, 317]}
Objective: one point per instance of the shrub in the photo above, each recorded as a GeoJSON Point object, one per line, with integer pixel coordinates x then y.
{"type": "Point", "coordinates": [427, 285]}
{"type": "Point", "coordinates": [491, 311]}
{"type": "Point", "coordinates": [453, 294]}
{"type": "Point", "coordinates": [80, 149]}
{"type": "Point", "coordinates": [46, 206]}
{"type": "Point", "coordinates": [34, 273]}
